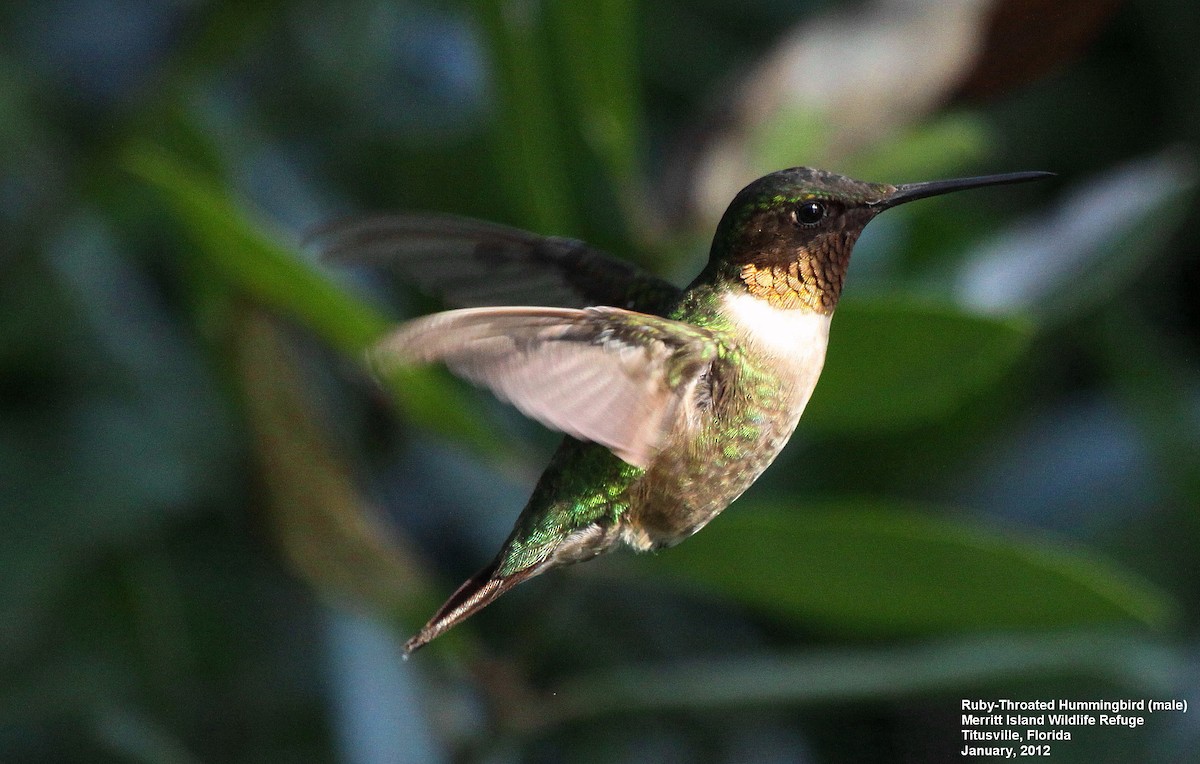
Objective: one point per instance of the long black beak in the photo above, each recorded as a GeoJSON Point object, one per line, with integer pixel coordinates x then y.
{"type": "Point", "coordinates": [911, 191]}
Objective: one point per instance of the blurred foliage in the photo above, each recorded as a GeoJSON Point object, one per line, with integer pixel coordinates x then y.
{"type": "Point", "coordinates": [216, 528]}
{"type": "Point", "coordinates": [888, 569]}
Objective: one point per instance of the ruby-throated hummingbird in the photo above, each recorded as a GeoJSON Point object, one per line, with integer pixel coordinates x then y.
{"type": "Point", "coordinates": [673, 401]}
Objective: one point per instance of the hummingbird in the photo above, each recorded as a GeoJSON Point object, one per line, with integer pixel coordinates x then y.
{"type": "Point", "coordinates": [673, 401]}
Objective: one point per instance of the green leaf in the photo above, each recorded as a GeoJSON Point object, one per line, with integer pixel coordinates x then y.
{"type": "Point", "coordinates": [894, 364]}
{"type": "Point", "coordinates": [598, 44]}
{"type": "Point", "coordinates": [936, 149]}
{"type": "Point", "coordinates": [839, 675]}
{"type": "Point", "coordinates": [249, 257]}
{"type": "Point", "coordinates": [788, 134]}
{"type": "Point", "coordinates": [884, 569]}
{"type": "Point", "coordinates": [530, 146]}
{"type": "Point", "coordinates": [922, 152]}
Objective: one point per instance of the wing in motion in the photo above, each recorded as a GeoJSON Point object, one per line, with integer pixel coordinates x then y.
{"type": "Point", "coordinates": [474, 263]}
{"type": "Point", "coordinates": [607, 375]}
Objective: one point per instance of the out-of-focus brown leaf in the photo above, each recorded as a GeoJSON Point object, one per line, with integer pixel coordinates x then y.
{"type": "Point", "coordinates": [328, 532]}
{"type": "Point", "coordinates": [854, 81]}
{"type": "Point", "coordinates": [834, 85]}
{"type": "Point", "coordinates": [1027, 39]}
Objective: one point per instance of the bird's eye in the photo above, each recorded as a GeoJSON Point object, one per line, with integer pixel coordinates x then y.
{"type": "Point", "coordinates": [808, 213]}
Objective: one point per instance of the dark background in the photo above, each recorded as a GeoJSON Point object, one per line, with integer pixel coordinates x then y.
{"type": "Point", "coordinates": [216, 527]}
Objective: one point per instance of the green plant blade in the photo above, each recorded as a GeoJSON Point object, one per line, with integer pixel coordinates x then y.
{"type": "Point", "coordinates": [601, 80]}
{"type": "Point", "coordinates": [895, 364]}
{"type": "Point", "coordinates": [823, 676]}
{"type": "Point", "coordinates": [882, 569]}
{"type": "Point", "coordinates": [531, 155]}
{"type": "Point", "coordinates": [248, 256]}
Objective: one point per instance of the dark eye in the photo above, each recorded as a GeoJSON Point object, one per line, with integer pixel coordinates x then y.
{"type": "Point", "coordinates": [808, 213]}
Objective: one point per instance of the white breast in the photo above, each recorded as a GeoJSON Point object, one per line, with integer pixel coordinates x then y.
{"type": "Point", "coordinates": [794, 333]}
{"type": "Point", "coordinates": [793, 341]}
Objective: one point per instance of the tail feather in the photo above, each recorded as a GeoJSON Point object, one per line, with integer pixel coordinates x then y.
{"type": "Point", "coordinates": [474, 595]}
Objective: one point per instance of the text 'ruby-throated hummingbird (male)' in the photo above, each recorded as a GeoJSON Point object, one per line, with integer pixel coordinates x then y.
{"type": "Point", "coordinates": [673, 401]}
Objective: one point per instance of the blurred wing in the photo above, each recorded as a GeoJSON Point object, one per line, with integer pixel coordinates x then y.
{"type": "Point", "coordinates": [606, 375]}
{"type": "Point", "coordinates": [475, 263]}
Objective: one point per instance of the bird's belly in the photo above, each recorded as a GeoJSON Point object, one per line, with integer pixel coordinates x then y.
{"type": "Point", "coordinates": [706, 465]}
{"type": "Point", "coordinates": [694, 479]}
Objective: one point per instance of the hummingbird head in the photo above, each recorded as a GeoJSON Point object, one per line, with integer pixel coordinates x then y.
{"type": "Point", "coordinates": [787, 236]}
